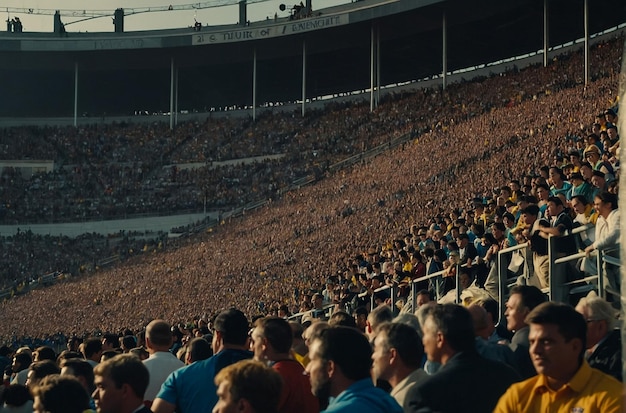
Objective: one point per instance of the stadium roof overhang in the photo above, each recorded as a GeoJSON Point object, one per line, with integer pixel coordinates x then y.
{"type": "Point", "coordinates": [218, 61]}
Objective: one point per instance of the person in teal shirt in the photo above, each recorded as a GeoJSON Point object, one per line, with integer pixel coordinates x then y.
{"type": "Point", "coordinates": [341, 360]}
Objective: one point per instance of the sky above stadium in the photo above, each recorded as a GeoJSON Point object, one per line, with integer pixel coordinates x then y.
{"type": "Point", "coordinates": [37, 15]}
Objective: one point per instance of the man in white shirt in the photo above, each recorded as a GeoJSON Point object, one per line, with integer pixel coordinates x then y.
{"type": "Point", "coordinates": [161, 362]}
{"type": "Point", "coordinates": [607, 235]}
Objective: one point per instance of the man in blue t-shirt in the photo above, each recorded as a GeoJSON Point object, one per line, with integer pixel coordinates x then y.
{"type": "Point", "coordinates": [192, 388]}
{"type": "Point", "coordinates": [341, 360]}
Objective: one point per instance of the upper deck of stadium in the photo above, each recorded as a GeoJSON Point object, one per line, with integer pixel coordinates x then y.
{"type": "Point", "coordinates": [132, 70]}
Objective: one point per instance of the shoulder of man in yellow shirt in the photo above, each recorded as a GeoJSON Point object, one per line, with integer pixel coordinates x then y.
{"type": "Point", "coordinates": [590, 391]}
{"type": "Point", "coordinates": [303, 360]}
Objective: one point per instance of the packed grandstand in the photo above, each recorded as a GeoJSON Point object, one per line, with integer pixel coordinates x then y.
{"type": "Point", "coordinates": [457, 146]}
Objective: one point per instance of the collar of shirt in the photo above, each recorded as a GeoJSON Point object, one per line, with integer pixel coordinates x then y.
{"type": "Point", "coordinates": [576, 383]}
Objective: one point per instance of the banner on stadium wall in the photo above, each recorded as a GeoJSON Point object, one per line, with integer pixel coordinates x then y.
{"type": "Point", "coordinates": [286, 29]}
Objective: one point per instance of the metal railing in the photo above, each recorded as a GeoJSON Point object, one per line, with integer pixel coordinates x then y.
{"type": "Point", "coordinates": [559, 287]}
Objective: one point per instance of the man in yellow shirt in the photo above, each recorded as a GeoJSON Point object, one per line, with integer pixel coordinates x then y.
{"type": "Point", "coordinates": [565, 382]}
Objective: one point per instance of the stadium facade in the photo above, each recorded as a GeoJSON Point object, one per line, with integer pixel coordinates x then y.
{"type": "Point", "coordinates": [335, 50]}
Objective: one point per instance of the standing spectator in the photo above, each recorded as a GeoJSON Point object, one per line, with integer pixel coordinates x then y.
{"type": "Point", "coordinates": [92, 351]}
{"type": "Point", "coordinates": [16, 399]}
{"type": "Point", "coordinates": [607, 235]}
{"type": "Point", "coordinates": [198, 349]}
{"type": "Point", "coordinates": [522, 299]}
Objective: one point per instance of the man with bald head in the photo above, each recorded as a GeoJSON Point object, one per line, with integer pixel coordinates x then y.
{"type": "Point", "coordinates": [161, 362]}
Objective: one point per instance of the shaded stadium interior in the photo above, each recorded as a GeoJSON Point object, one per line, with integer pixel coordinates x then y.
{"type": "Point", "coordinates": [41, 84]}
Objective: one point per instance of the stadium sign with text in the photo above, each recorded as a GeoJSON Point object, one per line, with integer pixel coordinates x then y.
{"type": "Point", "coordinates": [292, 27]}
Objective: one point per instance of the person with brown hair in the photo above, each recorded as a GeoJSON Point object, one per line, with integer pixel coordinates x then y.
{"type": "Point", "coordinates": [271, 342]}
{"type": "Point", "coordinates": [60, 394]}
{"type": "Point", "coordinates": [121, 383]}
{"type": "Point", "coordinates": [247, 386]}
{"type": "Point", "coordinates": [564, 380]}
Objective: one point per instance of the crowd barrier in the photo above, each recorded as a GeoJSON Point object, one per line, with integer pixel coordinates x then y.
{"type": "Point", "coordinates": [561, 287]}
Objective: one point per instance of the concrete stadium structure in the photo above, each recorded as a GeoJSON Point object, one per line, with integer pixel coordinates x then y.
{"type": "Point", "coordinates": [354, 47]}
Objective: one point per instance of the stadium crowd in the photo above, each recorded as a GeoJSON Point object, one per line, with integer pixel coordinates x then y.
{"type": "Point", "coordinates": [377, 364]}
{"type": "Point", "coordinates": [483, 134]}
{"type": "Point", "coordinates": [497, 155]}
{"type": "Point", "coordinates": [106, 171]}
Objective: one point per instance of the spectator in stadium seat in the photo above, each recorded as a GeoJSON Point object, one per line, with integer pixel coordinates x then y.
{"type": "Point", "coordinates": [543, 193]}
{"type": "Point", "coordinates": [38, 370]}
{"type": "Point", "coordinates": [482, 331]}
{"type": "Point", "coordinates": [457, 386]}
{"type": "Point", "coordinates": [83, 372]}
{"type": "Point", "coordinates": [593, 156]}
{"type": "Point", "coordinates": [564, 380]}
{"type": "Point", "coordinates": [580, 187]}
{"type": "Point", "coordinates": [92, 351]}
{"type": "Point", "coordinates": [128, 343]}
{"type": "Point", "coordinates": [44, 353]}
{"type": "Point", "coordinates": [559, 184]}
{"type": "Point", "coordinates": [397, 358]}
{"type": "Point", "coordinates": [198, 349]}
{"type": "Point", "coordinates": [60, 394]}
{"type": "Point", "coordinates": [604, 341]}
{"type": "Point", "coordinates": [598, 180]}
{"type": "Point", "coordinates": [120, 385]}
{"type": "Point", "coordinates": [110, 342]}
{"type": "Point", "coordinates": [299, 350]}
{"type": "Point", "coordinates": [375, 318]}
{"type": "Point", "coordinates": [522, 299]}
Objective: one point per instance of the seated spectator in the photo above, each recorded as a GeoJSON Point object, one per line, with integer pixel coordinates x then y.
{"type": "Point", "coordinates": [604, 342]}
{"type": "Point", "coordinates": [83, 372]}
{"type": "Point", "coordinates": [449, 339]}
{"type": "Point", "coordinates": [564, 379]}
{"type": "Point", "coordinates": [397, 358]}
